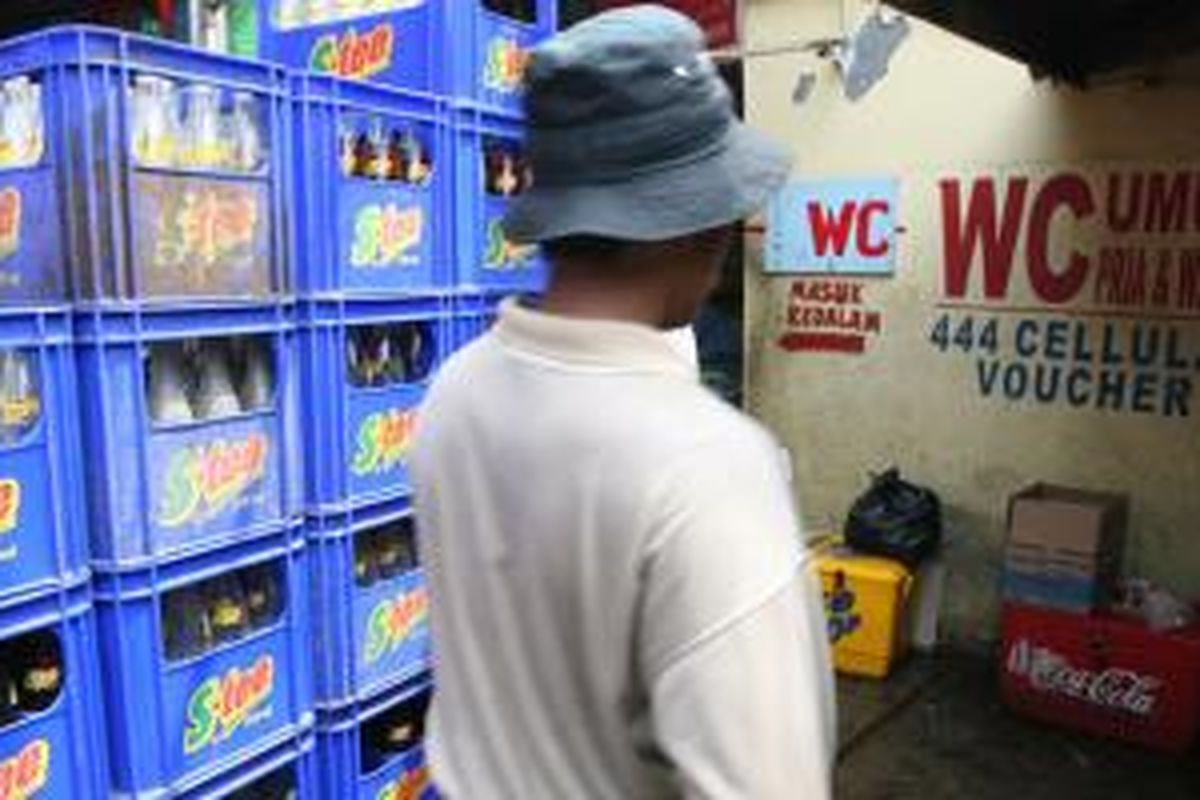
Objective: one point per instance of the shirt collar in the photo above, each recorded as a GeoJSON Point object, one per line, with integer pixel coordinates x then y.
{"type": "Point", "coordinates": [603, 344]}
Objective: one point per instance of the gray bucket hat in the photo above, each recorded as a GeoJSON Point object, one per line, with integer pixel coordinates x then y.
{"type": "Point", "coordinates": [632, 135]}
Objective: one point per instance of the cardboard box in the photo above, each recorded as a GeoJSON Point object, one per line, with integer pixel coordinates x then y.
{"type": "Point", "coordinates": [1064, 547]}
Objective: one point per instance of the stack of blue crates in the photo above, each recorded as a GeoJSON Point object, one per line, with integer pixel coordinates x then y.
{"type": "Point", "coordinates": [225, 288]}
{"type": "Point", "coordinates": [408, 136]}
{"type": "Point", "coordinates": [51, 728]}
{"type": "Point", "coordinates": [158, 205]}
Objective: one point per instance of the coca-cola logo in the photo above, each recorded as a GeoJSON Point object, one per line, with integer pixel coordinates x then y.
{"type": "Point", "coordinates": [1112, 688]}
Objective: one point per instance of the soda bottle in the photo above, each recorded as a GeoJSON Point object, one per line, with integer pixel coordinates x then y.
{"type": "Point", "coordinates": [213, 396]}
{"type": "Point", "coordinates": [414, 351]}
{"type": "Point", "coordinates": [10, 705]}
{"type": "Point", "coordinates": [418, 165]}
{"type": "Point", "coordinates": [366, 563]}
{"type": "Point", "coordinates": [154, 107]}
{"type": "Point", "coordinates": [389, 553]}
{"type": "Point", "coordinates": [264, 599]}
{"type": "Point", "coordinates": [348, 149]}
{"type": "Point", "coordinates": [227, 611]}
{"type": "Point", "coordinates": [246, 138]}
{"type": "Point", "coordinates": [397, 157]}
{"type": "Point", "coordinates": [378, 167]}
{"type": "Point", "coordinates": [406, 530]}
{"type": "Point", "coordinates": [166, 388]}
{"type": "Point", "coordinates": [202, 132]}
{"type": "Point", "coordinates": [41, 671]}
{"type": "Point", "coordinates": [370, 356]}
{"type": "Point", "coordinates": [256, 388]}
{"type": "Point", "coordinates": [187, 629]}
{"type": "Point", "coordinates": [19, 401]}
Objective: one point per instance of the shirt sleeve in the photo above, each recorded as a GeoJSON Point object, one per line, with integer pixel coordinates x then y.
{"type": "Point", "coordinates": [732, 643]}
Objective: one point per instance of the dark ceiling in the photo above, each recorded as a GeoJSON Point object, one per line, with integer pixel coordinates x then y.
{"type": "Point", "coordinates": [1072, 40]}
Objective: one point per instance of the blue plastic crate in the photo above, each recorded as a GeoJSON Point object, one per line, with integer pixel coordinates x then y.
{"type": "Point", "coordinates": [160, 173]}
{"type": "Point", "coordinates": [491, 72]}
{"type": "Point", "coordinates": [359, 232]}
{"type": "Point", "coordinates": [484, 259]}
{"type": "Point", "coordinates": [347, 774]}
{"type": "Point", "coordinates": [55, 752]}
{"type": "Point", "coordinates": [166, 488]}
{"type": "Point", "coordinates": [404, 45]}
{"type": "Point", "coordinates": [189, 694]}
{"type": "Point", "coordinates": [370, 618]}
{"type": "Point", "coordinates": [42, 519]}
{"type": "Point", "coordinates": [458, 48]}
{"type": "Point", "coordinates": [357, 437]}
{"type": "Point", "coordinates": [291, 767]}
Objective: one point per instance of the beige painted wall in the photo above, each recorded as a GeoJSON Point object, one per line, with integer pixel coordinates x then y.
{"type": "Point", "coordinates": [949, 108]}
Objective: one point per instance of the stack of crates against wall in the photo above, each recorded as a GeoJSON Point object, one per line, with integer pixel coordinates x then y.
{"type": "Point", "coordinates": [154, 172]}
{"type": "Point", "coordinates": [289, 772]}
{"type": "Point", "coordinates": [205, 663]}
{"type": "Point", "coordinates": [51, 733]}
{"type": "Point", "coordinates": [373, 179]}
{"type": "Point", "coordinates": [373, 750]}
{"type": "Point", "coordinates": [43, 535]}
{"type": "Point", "coordinates": [366, 364]}
{"type": "Point", "coordinates": [472, 50]}
{"type": "Point", "coordinates": [492, 170]}
{"type": "Point", "coordinates": [370, 604]}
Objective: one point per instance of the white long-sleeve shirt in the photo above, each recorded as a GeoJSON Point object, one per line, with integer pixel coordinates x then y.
{"type": "Point", "coordinates": [621, 604]}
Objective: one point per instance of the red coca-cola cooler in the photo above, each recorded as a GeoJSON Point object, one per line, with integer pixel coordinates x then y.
{"type": "Point", "coordinates": [1104, 674]}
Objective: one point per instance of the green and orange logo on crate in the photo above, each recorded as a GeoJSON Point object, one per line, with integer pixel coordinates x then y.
{"type": "Point", "coordinates": [25, 773]}
{"type": "Point", "coordinates": [205, 226]}
{"type": "Point", "coordinates": [393, 621]}
{"type": "Point", "coordinates": [503, 254]}
{"type": "Point", "coordinates": [10, 505]}
{"type": "Point", "coordinates": [222, 705]}
{"type": "Point", "coordinates": [386, 235]}
{"type": "Point", "coordinates": [384, 439]}
{"type": "Point", "coordinates": [355, 55]}
{"type": "Point", "coordinates": [412, 785]}
{"type": "Point", "coordinates": [205, 479]}
{"type": "Point", "coordinates": [506, 63]}
{"type": "Point", "coordinates": [10, 221]}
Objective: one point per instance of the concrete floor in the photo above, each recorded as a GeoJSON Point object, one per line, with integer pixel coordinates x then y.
{"type": "Point", "coordinates": [938, 731]}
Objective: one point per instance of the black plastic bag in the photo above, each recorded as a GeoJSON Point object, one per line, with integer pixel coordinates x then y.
{"type": "Point", "coordinates": [895, 519]}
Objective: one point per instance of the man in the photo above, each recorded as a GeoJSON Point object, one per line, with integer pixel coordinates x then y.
{"type": "Point", "coordinates": [622, 607]}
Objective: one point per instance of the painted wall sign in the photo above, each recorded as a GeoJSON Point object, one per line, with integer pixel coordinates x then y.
{"type": "Point", "coordinates": [827, 315]}
{"type": "Point", "coordinates": [831, 227]}
{"type": "Point", "coordinates": [1077, 289]}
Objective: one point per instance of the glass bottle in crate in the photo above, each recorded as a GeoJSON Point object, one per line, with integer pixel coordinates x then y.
{"type": "Point", "coordinates": [154, 121]}
{"type": "Point", "coordinates": [167, 387]}
{"type": "Point", "coordinates": [348, 148]}
{"type": "Point", "coordinates": [186, 628]}
{"type": "Point", "coordinates": [203, 141]}
{"type": "Point", "coordinates": [264, 597]}
{"type": "Point", "coordinates": [214, 396]}
{"type": "Point", "coordinates": [256, 387]}
{"type": "Point", "coordinates": [366, 564]}
{"type": "Point", "coordinates": [20, 403]}
{"type": "Point", "coordinates": [22, 137]}
{"type": "Point", "coordinates": [227, 610]}
{"type": "Point", "coordinates": [390, 554]}
{"type": "Point", "coordinates": [41, 672]}
{"type": "Point", "coordinates": [246, 138]}
{"type": "Point", "coordinates": [10, 706]}
{"type": "Point", "coordinates": [378, 166]}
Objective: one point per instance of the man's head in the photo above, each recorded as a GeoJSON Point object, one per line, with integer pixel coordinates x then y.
{"type": "Point", "coordinates": [640, 163]}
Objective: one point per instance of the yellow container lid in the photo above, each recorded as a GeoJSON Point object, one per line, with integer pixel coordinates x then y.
{"type": "Point", "coordinates": [872, 568]}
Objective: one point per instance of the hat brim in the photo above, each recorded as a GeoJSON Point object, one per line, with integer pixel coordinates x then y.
{"type": "Point", "coordinates": [728, 186]}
